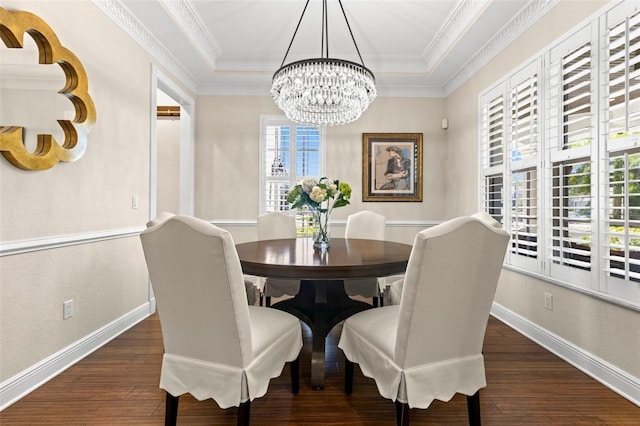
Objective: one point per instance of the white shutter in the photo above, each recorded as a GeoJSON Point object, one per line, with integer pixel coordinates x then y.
{"type": "Point", "coordinates": [623, 98]}
{"type": "Point", "coordinates": [571, 123]}
{"type": "Point", "coordinates": [524, 109]}
{"type": "Point", "coordinates": [524, 135]}
{"type": "Point", "coordinates": [493, 128]}
{"type": "Point", "coordinates": [620, 175]}
{"type": "Point", "coordinates": [570, 230]}
{"type": "Point", "coordinates": [576, 98]}
{"type": "Point", "coordinates": [524, 213]}
{"type": "Point", "coordinates": [493, 196]}
{"type": "Point", "coordinates": [622, 231]}
{"type": "Point", "coordinates": [559, 158]}
{"type": "Point", "coordinates": [492, 151]}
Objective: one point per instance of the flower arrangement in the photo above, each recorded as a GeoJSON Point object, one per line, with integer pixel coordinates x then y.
{"type": "Point", "coordinates": [321, 197]}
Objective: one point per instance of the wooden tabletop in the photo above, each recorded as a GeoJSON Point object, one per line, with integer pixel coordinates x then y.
{"type": "Point", "coordinates": [345, 258]}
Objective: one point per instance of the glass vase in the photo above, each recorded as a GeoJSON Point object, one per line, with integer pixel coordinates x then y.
{"type": "Point", "coordinates": [321, 235]}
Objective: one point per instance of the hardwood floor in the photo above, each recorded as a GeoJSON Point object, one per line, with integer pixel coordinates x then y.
{"type": "Point", "coordinates": [118, 385]}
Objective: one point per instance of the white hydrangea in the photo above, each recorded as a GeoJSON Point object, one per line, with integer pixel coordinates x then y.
{"type": "Point", "coordinates": [308, 184]}
{"type": "Point", "coordinates": [318, 194]}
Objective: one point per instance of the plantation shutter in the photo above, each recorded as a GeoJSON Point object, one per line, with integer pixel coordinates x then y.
{"type": "Point", "coordinates": [571, 127]}
{"type": "Point", "coordinates": [621, 172]}
{"type": "Point", "coordinates": [623, 98]}
{"type": "Point", "coordinates": [524, 213]}
{"type": "Point", "coordinates": [571, 214]}
{"type": "Point", "coordinates": [623, 219]}
{"type": "Point", "coordinates": [524, 119]}
{"type": "Point", "coordinates": [492, 151]}
{"type": "Point", "coordinates": [524, 135]}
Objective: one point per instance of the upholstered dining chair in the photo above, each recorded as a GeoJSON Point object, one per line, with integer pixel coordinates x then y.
{"type": "Point", "coordinates": [249, 284]}
{"type": "Point", "coordinates": [215, 345]}
{"type": "Point", "coordinates": [371, 226]}
{"type": "Point", "coordinates": [160, 218]}
{"type": "Point", "coordinates": [430, 345]}
{"type": "Point", "coordinates": [274, 226]}
{"type": "Point", "coordinates": [394, 290]}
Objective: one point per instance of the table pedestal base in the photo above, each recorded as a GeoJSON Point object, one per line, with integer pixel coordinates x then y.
{"type": "Point", "coordinates": [321, 305]}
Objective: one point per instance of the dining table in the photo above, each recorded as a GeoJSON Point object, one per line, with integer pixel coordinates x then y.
{"type": "Point", "coordinates": [322, 302]}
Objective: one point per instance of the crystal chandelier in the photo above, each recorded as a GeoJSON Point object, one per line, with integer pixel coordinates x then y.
{"type": "Point", "coordinates": [323, 91]}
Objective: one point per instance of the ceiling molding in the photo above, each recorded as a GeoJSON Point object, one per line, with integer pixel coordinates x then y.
{"type": "Point", "coordinates": [115, 10]}
{"type": "Point", "coordinates": [190, 25]}
{"type": "Point", "coordinates": [463, 15]}
{"type": "Point", "coordinates": [410, 81]}
{"type": "Point", "coordinates": [516, 27]}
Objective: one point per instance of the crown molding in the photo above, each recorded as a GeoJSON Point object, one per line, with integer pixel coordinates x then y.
{"type": "Point", "coordinates": [183, 13]}
{"type": "Point", "coordinates": [253, 83]}
{"type": "Point", "coordinates": [463, 15]}
{"type": "Point", "coordinates": [115, 10]}
{"type": "Point", "coordinates": [516, 27]}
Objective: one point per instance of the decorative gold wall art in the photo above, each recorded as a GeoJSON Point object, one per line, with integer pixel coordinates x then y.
{"type": "Point", "coordinates": [48, 152]}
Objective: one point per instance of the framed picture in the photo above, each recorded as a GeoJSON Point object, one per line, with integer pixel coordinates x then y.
{"type": "Point", "coordinates": [392, 167]}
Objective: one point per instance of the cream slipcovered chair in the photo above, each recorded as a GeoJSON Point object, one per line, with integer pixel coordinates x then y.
{"type": "Point", "coordinates": [394, 290]}
{"type": "Point", "coordinates": [274, 226]}
{"type": "Point", "coordinates": [215, 346]}
{"type": "Point", "coordinates": [249, 284]}
{"type": "Point", "coordinates": [430, 346]}
{"type": "Point", "coordinates": [371, 226]}
{"type": "Point", "coordinates": [161, 217]}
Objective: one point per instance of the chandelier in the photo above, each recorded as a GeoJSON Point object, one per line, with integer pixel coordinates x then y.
{"type": "Point", "coordinates": [323, 91]}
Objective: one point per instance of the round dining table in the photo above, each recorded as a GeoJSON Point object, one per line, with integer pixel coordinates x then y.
{"type": "Point", "coordinates": [322, 302]}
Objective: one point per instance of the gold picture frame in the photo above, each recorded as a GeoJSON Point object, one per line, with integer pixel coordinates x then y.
{"type": "Point", "coordinates": [392, 167]}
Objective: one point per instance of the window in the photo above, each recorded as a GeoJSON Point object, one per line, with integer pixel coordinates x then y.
{"type": "Point", "coordinates": [560, 146]}
{"type": "Point", "coordinates": [571, 129]}
{"type": "Point", "coordinates": [289, 152]}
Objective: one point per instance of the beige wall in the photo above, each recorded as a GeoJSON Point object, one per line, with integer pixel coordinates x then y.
{"type": "Point", "coordinates": [227, 158]}
{"type": "Point", "coordinates": [606, 330]}
{"type": "Point", "coordinates": [106, 279]}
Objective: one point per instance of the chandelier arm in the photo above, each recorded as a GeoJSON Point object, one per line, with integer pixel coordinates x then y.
{"type": "Point", "coordinates": [296, 32]}
{"type": "Point", "coordinates": [350, 32]}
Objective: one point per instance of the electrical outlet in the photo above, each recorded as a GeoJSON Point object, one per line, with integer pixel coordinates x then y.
{"type": "Point", "coordinates": [548, 301]}
{"type": "Point", "coordinates": [67, 309]}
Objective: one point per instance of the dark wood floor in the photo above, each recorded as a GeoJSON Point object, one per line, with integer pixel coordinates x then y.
{"type": "Point", "coordinates": [118, 385]}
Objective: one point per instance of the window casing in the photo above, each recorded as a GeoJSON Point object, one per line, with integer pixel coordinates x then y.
{"type": "Point", "coordinates": [570, 122]}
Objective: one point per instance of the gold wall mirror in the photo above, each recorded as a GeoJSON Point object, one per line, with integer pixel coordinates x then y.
{"type": "Point", "coordinates": [44, 95]}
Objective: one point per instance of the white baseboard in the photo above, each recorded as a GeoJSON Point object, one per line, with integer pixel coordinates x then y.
{"type": "Point", "coordinates": [11, 390]}
{"type": "Point", "coordinates": [612, 377]}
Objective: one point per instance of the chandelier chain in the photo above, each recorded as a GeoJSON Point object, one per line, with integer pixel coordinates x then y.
{"type": "Point", "coordinates": [294, 34]}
